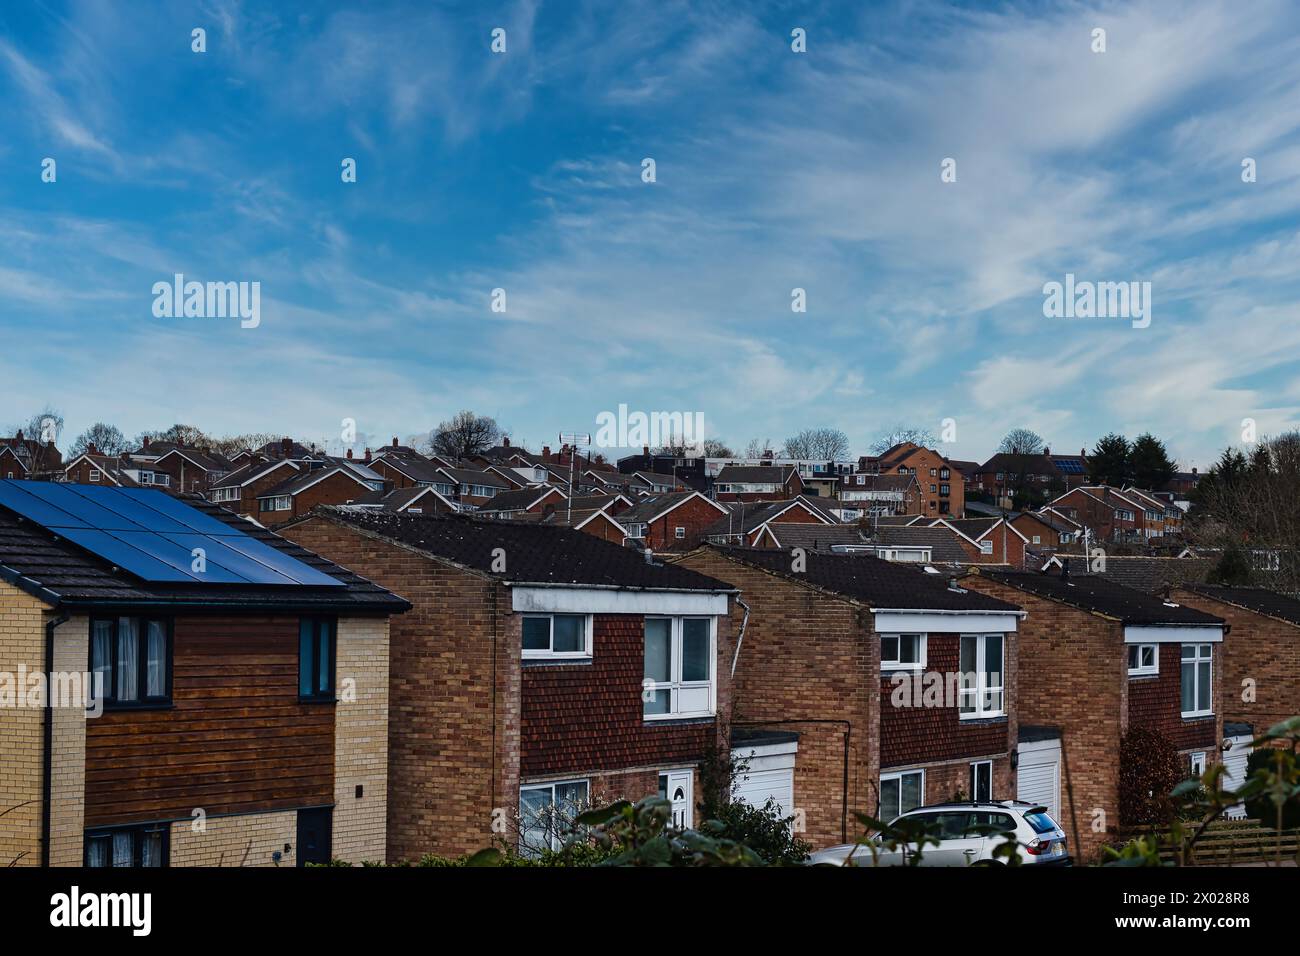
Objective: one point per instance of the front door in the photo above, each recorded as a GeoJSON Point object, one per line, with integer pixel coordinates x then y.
{"type": "Point", "coordinates": [314, 835]}
{"type": "Point", "coordinates": [678, 786]}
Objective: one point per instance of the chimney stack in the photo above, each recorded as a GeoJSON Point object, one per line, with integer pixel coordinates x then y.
{"type": "Point", "coordinates": [90, 449]}
{"type": "Point", "coordinates": [505, 441]}
{"type": "Point", "coordinates": [645, 451]}
{"type": "Point", "coordinates": [286, 446]}
{"type": "Point", "coordinates": [349, 454]}
{"type": "Point", "coordinates": [19, 436]}
{"type": "Point", "coordinates": [367, 458]}
{"type": "Point", "coordinates": [546, 453]}
{"type": "Point", "coordinates": [394, 441]}
{"type": "Point", "coordinates": [145, 445]}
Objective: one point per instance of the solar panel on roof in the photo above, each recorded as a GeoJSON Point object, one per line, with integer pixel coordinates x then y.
{"type": "Point", "coordinates": [154, 536]}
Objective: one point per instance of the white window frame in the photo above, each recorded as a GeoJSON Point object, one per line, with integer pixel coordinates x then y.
{"type": "Point", "coordinates": [986, 547]}
{"type": "Point", "coordinates": [679, 533]}
{"type": "Point", "coordinates": [899, 775]}
{"type": "Point", "coordinates": [1144, 670]}
{"type": "Point", "coordinates": [1197, 762]}
{"type": "Point", "coordinates": [981, 689]}
{"type": "Point", "coordinates": [893, 664]}
{"type": "Point", "coordinates": [556, 839]}
{"type": "Point", "coordinates": [547, 653]}
{"type": "Point", "coordinates": [675, 685]}
{"type": "Point", "coordinates": [94, 474]}
{"type": "Point", "coordinates": [1196, 662]}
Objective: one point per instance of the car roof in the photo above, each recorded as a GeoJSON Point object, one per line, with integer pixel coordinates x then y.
{"type": "Point", "coordinates": [1020, 805]}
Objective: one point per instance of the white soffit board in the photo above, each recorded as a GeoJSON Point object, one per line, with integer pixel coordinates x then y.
{"type": "Point", "coordinates": [1151, 634]}
{"type": "Point", "coordinates": [925, 622]}
{"type": "Point", "coordinates": [612, 601]}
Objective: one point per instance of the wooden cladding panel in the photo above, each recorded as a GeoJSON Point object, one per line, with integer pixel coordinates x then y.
{"type": "Point", "coordinates": [236, 739]}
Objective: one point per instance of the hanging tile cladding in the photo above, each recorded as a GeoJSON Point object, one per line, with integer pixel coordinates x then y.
{"type": "Point", "coordinates": [583, 717]}
{"type": "Point", "coordinates": [916, 734]}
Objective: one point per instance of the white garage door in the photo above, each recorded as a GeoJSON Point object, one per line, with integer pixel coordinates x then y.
{"type": "Point", "coordinates": [1038, 776]}
{"type": "Point", "coordinates": [756, 787]}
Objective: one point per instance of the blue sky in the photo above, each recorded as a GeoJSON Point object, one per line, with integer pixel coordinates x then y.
{"type": "Point", "coordinates": [775, 170]}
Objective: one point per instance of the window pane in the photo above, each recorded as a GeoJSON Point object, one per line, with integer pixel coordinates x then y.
{"type": "Point", "coordinates": [152, 848]}
{"type": "Point", "coordinates": [658, 649]}
{"type": "Point", "coordinates": [1203, 686]}
{"type": "Point", "coordinates": [123, 846]}
{"type": "Point", "coordinates": [97, 851]}
{"type": "Point", "coordinates": [889, 800]}
{"type": "Point", "coordinates": [324, 664]}
{"type": "Point", "coordinates": [967, 664]}
{"type": "Point", "coordinates": [1149, 656]}
{"type": "Point", "coordinates": [570, 633]}
{"type": "Point", "coordinates": [306, 641]}
{"type": "Point", "coordinates": [910, 792]}
{"type": "Point", "coordinates": [1189, 652]}
{"type": "Point", "coordinates": [659, 701]}
{"type": "Point", "coordinates": [537, 633]}
{"type": "Point", "coordinates": [909, 649]}
{"type": "Point", "coordinates": [101, 658]}
{"type": "Point", "coordinates": [889, 648]}
{"type": "Point", "coordinates": [534, 819]}
{"type": "Point", "coordinates": [156, 662]}
{"type": "Point", "coordinates": [1188, 678]}
{"type": "Point", "coordinates": [993, 661]}
{"type": "Point", "coordinates": [571, 797]}
{"type": "Point", "coordinates": [695, 649]}
{"type": "Point", "coordinates": [128, 659]}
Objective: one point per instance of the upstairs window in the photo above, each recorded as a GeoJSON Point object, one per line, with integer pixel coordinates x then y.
{"type": "Point", "coordinates": [1197, 660]}
{"type": "Point", "coordinates": [679, 667]}
{"type": "Point", "coordinates": [316, 649]}
{"type": "Point", "coordinates": [127, 846]}
{"type": "Point", "coordinates": [902, 651]}
{"type": "Point", "coordinates": [557, 635]}
{"type": "Point", "coordinates": [132, 657]}
{"type": "Point", "coordinates": [980, 693]}
{"type": "Point", "coordinates": [1143, 660]}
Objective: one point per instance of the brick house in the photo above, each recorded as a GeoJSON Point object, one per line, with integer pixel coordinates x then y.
{"type": "Point", "coordinates": [874, 494]}
{"type": "Point", "coordinates": [22, 457]}
{"type": "Point", "coordinates": [1261, 662]}
{"type": "Point", "coordinates": [529, 500]}
{"type": "Point", "coordinates": [942, 486]}
{"type": "Point", "coordinates": [192, 469]}
{"type": "Point", "coordinates": [239, 490]}
{"type": "Point", "coordinates": [92, 468]}
{"type": "Point", "coordinates": [1097, 658]}
{"type": "Point", "coordinates": [745, 521]}
{"type": "Point", "coordinates": [219, 702]}
{"type": "Point", "coordinates": [834, 653]}
{"type": "Point", "coordinates": [518, 678]}
{"type": "Point", "coordinates": [675, 521]}
{"type": "Point", "coordinates": [331, 485]}
{"type": "Point", "coordinates": [471, 487]}
{"type": "Point", "coordinates": [410, 471]}
{"type": "Point", "coordinates": [988, 540]}
{"type": "Point", "coordinates": [1046, 529]}
{"type": "Point", "coordinates": [1107, 514]}
{"type": "Point", "coordinates": [757, 483]}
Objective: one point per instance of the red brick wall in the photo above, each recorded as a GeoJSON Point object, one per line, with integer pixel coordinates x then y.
{"type": "Point", "coordinates": [911, 733]}
{"type": "Point", "coordinates": [453, 727]}
{"type": "Point", "coordinates": [1156, 703]}
{"type": "Point", "coordinates": [579, 718]}
{"type": "Point", "coordinates": [806, 657]}
{"type": "Point", "coordinates": [1256, 648]}
{"type": "Point", "coordinates": [338, 489]}
{"type": "Point", "coordinates": [392, 474]}
{"type": "Point", "coordinates": [1072, 674]}
{"type": "Point", "coordinates": [696, 515]}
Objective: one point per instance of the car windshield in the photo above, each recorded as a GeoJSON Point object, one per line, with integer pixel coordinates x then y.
{"type": "Point", "coordinates": [1041, 822]}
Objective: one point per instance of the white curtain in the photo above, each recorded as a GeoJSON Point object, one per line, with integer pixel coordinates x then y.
{"type": "Point", "coordinates": [101, 655]}
{"type": "Point", "coordinates": [156, 662]}
{"type": "Point", "coordinates": [128, 659]}
{"type": "Point", "coordinates": [97, 852]}
{"type": "Point", "coordinates": [152, 855]}
{"type": "Point", "coordinates": [122, 846]}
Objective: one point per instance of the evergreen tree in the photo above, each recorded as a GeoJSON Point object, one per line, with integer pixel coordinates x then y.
{"type": "Point", "coordinates": [1108, 464]}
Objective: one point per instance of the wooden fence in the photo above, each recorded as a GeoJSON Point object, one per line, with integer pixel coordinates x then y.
{"type": "Point", "coordinates": [1226, 842]}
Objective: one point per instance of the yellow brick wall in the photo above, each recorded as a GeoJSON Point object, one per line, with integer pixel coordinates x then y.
{"type": "Point", "coordinates": [22, 642]}
{"type": "Point", "coordinates": [361, 740]}
{"type": "Point", "coordinates": [246, 840]}
{"type": "Point", "coordinates": [68, 776]}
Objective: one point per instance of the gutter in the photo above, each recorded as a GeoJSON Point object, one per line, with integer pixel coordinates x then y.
{"type": "Point", "coordinates": [47, 735]}
{"type": "Point", "coordinates": [890, 610]}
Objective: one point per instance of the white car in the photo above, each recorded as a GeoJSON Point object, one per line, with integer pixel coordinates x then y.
{"type": "Point", "coordinates": [1040, 841]}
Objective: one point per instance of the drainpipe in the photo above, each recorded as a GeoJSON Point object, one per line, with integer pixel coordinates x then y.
{"type": "Point", "coordinates": [47, 733]}
{"type": "Point", "coordinates": [741, 639]}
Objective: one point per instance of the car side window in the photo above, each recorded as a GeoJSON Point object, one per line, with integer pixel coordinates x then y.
{"type": "Point", "coordinates": [953, 826]}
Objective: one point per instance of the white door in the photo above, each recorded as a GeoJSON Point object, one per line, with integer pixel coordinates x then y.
{"type": "Point", "coordinates": [1038, 775]}
{"type": "Point", "coordinates": [679, 786]}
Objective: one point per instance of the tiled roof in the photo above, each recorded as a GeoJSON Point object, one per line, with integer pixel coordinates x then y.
{"type": "Point", "coordinates": [655, 505]}
{"type": "Point", "coordinates": [1259, 600]}
{"type": "Point", "coordinates": [745, 516]}
{"type": "Point", "coordinates": [250, 471]}
{"type": "Point", "coordinates": [881, 585]}
{"type": "Point", "coordinates": [416, 469]}
{"type": "Point", "coordinates": [814, 536]}
{"type": "Point", "coordinates": [304, 480]}
{"type": "Point", "coordinates": [535, 553]}
{"type": "Point", "coordinates": [1144, 573]}
{"type": "Point", "coordinates": [973, 527]}
{"type": "Point", "coordinates": [49, 566]}
{"type": "Point", "coordinates": [517, 499]}
{"type": "Point", "coordinates": [1090, 592]}
{"type": "Point", "coordinates": [941, 541]}
{"type": "Point", "coordinates": [471, 476]}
